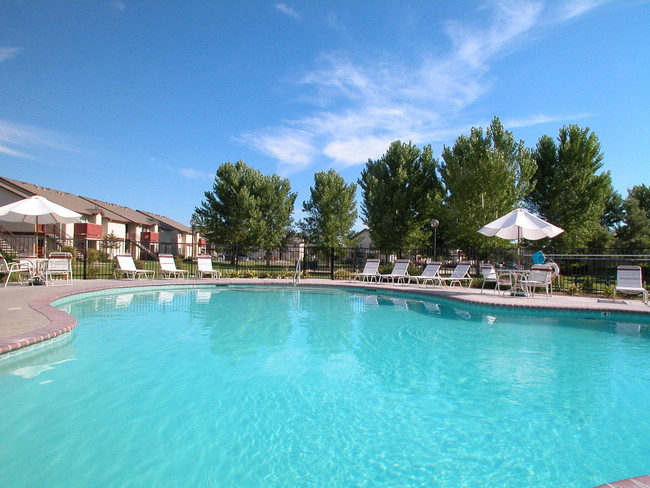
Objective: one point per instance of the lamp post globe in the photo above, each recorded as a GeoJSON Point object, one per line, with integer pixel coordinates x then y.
{"type": "Point", "coordinates": [435, 223]}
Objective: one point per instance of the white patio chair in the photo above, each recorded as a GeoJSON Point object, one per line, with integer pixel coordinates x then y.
{"type": "Point", "coordinates": [204, 268]}
{"type": "Point", "coordinates": [490, 275]}
{"type": "Point", "coordinates": [19, 269]}
{"type": "Point", "coordinates": [630, 282]}
{"type": "Point", "coordinates": [400, 272]}
{"type": "Point", "coordinates": [370, 271]}
{"type": "Point", "coordinates": [168, 267]}
{"type": "Point", "coordinates": [430, 273]}
{"type": "Point", "coordinates": [460, 274]}
{"type": "Point", "coordinates": [126, 267]}
{"type": "Point", "coordinates": [538, 277]}
{"type": "Point", "coordinates": [59, 269]}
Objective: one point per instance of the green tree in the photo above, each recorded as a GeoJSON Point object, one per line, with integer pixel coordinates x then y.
{"type": "Point", "coordinates": [331, 211]}
{"type": "Point", "coordinates": [486, 175]}
{"type": "Point", "coordinates": [399, 192]}
{"type": "Point", "coordinates": [635, 231]}
{"type": "Point", "coordinates": [569, 191]}
{"type": "Point", "coordinates": [246, 207]}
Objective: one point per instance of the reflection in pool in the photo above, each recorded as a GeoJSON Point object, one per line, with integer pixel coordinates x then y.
{"type": "Point", "coordinates": [271, 386]}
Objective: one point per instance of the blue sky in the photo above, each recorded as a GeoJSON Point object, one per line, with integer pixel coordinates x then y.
{"type": "Point", "coordinates": [139, 102]}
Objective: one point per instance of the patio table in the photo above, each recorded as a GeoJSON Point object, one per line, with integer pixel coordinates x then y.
{"type": "Point", "coordinates": [517, 276]}
{"type": "Point", "coordinates": [37, 268]}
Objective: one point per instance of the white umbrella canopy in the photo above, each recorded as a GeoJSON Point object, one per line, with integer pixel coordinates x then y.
{"type": "Point", "coordinates": [520, 224]}
{"type": "Point", "coordinates": [37, 210]}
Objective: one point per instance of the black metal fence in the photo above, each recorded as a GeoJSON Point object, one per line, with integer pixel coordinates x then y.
{"type": "Point", "coordinates": [582, 270]}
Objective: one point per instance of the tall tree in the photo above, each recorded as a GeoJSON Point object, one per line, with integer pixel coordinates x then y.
{"type": "Point", "coordinates": [486, 175]}
{"type": "Point", "coordinates": [400, 191]}
{"type": "Point", "coordinates": [635, 231]}
{"type": "Point", "coordinates": [246, 207]}
{"type": "Point", "coordinates": [331, 210]}
{"type": "Point", "coordinates": [569, 191]}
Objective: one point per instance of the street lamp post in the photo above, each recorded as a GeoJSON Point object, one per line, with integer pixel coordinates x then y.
{"type": "Point", "coordinates": [435, 224]}
{"type": "Point", "coordinates": [193, 224]}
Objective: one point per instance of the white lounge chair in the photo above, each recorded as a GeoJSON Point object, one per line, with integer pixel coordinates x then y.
{"type": "Point", "coordinates": [630, 282]}
{"type": "Point", "coordinates": [168, 267]}
{"type": "Point", "coordinates": [204, 268]}
{"type": "Point", "coordinates": [490, 275]}
{"type": "Point", "coordinates": [19, 269]}
{"type": "Point", "coordinates": [59, 265]}
{"type": "Point", "coordinates": [126, 267]}
{"type": "Point", "coordinates": [400, 272]}
{"type": "Point", "coordinates": [370, 271]}
{"type": "Point", "coordinates": [430, 273]}
{"type": "Point", "coordinates": [460, 274]}
{"type": "Point", "coordinates": [539, 277]}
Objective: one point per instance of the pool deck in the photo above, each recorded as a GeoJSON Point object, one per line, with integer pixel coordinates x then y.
{"type": "Point", "coordinates": [26, 316]}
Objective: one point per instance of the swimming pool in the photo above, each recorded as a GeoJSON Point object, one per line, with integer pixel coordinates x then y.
{"type": "Point", "coordinates": [297, 387]}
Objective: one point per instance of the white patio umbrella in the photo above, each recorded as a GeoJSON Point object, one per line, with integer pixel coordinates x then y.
{"type": "Point", "coordinates": [37, 210]}
{"type": "Point", "coordinates": [520, 224]}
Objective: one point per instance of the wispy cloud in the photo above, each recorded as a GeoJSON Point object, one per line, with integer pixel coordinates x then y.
{"type": "Point", "coordinates": [537, 119]}
{"type": "Point", "coordinates": [188, 173]}
{"type": "Point", "coordinates": [7, 53]}
{"type": "Point", "coordinates": [23, 141]}
{"type": "Point", "coordinates": [288, 11]}
{"type": "Point", "coordinates": [361, 106]}
{"type": "Point", "coordinates": [576, 8]}
{"type": "Point", "coordinates": [193, 174]}
{"type": "Point", "coordinates": [117, 6]}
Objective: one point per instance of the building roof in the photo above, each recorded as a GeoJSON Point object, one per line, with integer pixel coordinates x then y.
{"type": "Point", "coordinates": [68, 200]}
{"type": "Point", "coordinates": [166, 222]}
{"type": "Point", "coordinates": [91, 206]}
{"type": "Point", "coordinates": [125, 214]}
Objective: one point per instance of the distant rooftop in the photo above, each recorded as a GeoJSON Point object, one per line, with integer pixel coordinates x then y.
{"type": "Point", "coordinates": [91, 206]}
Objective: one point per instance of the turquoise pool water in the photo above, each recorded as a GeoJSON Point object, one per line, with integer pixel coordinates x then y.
{"type": "Point", "coordinates": [285, 387]}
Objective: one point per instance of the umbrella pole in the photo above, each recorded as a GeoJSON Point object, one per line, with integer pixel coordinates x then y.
{"type": "Point", "coordinates": [518, 248]}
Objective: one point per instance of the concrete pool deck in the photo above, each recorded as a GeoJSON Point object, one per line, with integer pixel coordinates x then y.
{"type": "Point", "coordinates": [26, 316]}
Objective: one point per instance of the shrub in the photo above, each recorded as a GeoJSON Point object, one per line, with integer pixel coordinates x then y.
{"type": "Point", "coordinates": [588, 284]}
{"type": "Point", "coordinates": [94, 256]}
{"type": "Point", "coordinates": [71, 249]}
{"type": "Point", "coordinates": [609, 291]}
{"type": "Point", "coordinates": [341, 274]}
{"type": "Point", "coordinates": [385, 268]}
{"type": "Point", "coordinates": [573, 289]}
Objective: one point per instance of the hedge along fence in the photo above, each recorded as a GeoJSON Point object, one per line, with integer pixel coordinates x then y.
{"type": "Point", "coordinates": [581, 270]}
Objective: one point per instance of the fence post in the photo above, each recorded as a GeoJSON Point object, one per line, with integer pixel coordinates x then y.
{"type": "Point", "coordinates": [332, 263]}
{"type": "Point", "coordinates": [85, 248]}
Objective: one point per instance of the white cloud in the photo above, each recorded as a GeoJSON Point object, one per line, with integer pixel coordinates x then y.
{"type": "Point", "coordinates": [575, 8]}
{"type": "Point", "coordinates": [191, 173]}
{"type": "Point", "coordinates": [291, 146]}
{"type": "Point", "coordinates": [23, 141]}
{"type": "Point", "coordinates": [117, 6]}
{"type": "Point", "coordinates": [188, 173]}
{"type": "Point", "coordinates": [537, 119]}
{"type": "Point", "coordinates": [8, 53]}
{"type": "Point", "coordinates": [288, 11]}
{"type": "Point", "coordinates": [376, 101]}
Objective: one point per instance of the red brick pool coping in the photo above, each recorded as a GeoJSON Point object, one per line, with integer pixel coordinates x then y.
{"type": "Point", "coordinates": [639, 482]}
{"type": "Point", "coordinates": [61, 323]}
